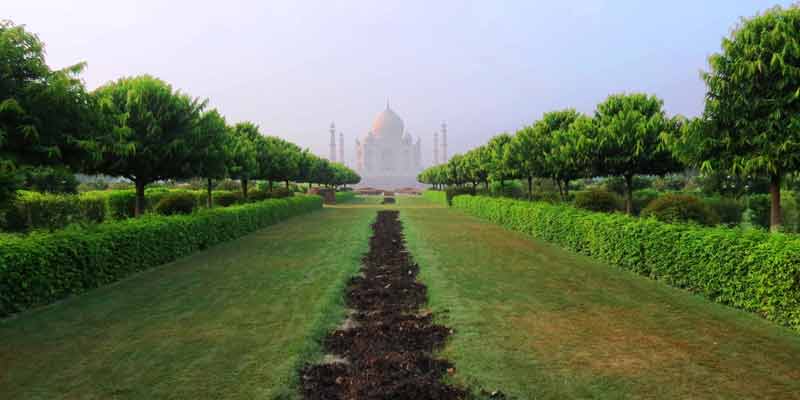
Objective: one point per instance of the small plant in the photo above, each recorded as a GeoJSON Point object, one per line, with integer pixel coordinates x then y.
{"type": "Point", "coordinates": [681, 208]}
{"type": "Point", "coordinates": [176, 203]}
{"type": "Point", "coordinates": [601, 200]}
{"type": "Point", "coordinates": [225, 199]}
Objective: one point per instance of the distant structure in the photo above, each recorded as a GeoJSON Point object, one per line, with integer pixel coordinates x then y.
{"type": "Point", "coordinates": [341, 147]}
{"type": "Point", "coordinates": [444, 142]}
{"type": "Point", "coordinates": [435, 148]}
{"type": "Point", "coordinates": [332, 156]}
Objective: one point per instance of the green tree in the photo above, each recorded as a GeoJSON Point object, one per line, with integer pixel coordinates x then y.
{"type": "Point", "coordinates": [571, 151]}
{"type": "Point", "coordinates": [147, 134]}
{"type": "Point", "coordinates": [243, 163]}
{"type": "Point", "coordinates": [499, 170]}
{"type": "Point", "coordinates": [211, 157]}
{"type": "Point", "coordinates": [525, 155]}
{"type": "Point", "coordinates": [629, 141]}
{"type": "Point", "coordinates": [44, 113]}
{"type": "Point", "coordinates": [751, 121]}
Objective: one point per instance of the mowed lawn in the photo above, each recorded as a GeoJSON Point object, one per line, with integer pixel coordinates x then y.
{"type": "Point", "coordinates": [537, 322]}
{"type": "Point", "coordinates": [231, 322]}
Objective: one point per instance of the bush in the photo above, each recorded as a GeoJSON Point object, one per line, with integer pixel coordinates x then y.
{"type": "Point", "coordinates": [344, 197]}
{"type": "Point", "coordinates": [616, 184]}
{"type": "Point", "coordinates": [229, 185]}
{"type": "Point", "coordinates": [674, 208]}
{"type": "Point", "coordinates": [436, 196]}
{"type": "Point", "coordinates": [40, 268]}
{"type": "Point", "coordinates": [176, 203]}
{"type": "Point", "coordinates": [642, 198]}
{"type": "Point", "coordinates": [454, 191]}
{"type": "Point", "coordinates": [280, 193]}
{"type": "Point", "coordinates": [49, 179]}
{"type": "Point", "coordinates": [599, 200]}
{"type": "Point", "coordinates": [728, 209]}
{"type": "Point", "coordinates": [225, 198]}
{"type": "Point", "coordinates": [748, 269]}
{"type": "Point", "coordinates": [511, 189]}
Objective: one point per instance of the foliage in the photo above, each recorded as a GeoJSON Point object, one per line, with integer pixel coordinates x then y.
{"type": "Point", "coordinates": [33, 210]}
{"type": "Point", "coordinates": [674, 208]}
{"type": "Point", "coordinates": [750, 123]}
{"type": "Point", "coordinates": [149, 132]}
{"type": "Point", "coordinates": [345, 197]}
{"type": "Point", "coordinates": [41, 268]}
{"type": "Point", "coordinates": [629, 142]}
{"type": "Point", "coordinates": [747, 269]}
{"type": "Point", "coordinates": [617, 184]}
{"type": "Point", "coordinates": [436, 196]}
{"type": "Point", "coordinates": [176, 203]}
{"type": "Point", "coordinates": [642, 198]}
{"type": "Point", "coordinates": [728, 209]}
{"type": "Point", "coordinates": [599, 200]}
{"type": "Point", "coordinates": [49, 179]}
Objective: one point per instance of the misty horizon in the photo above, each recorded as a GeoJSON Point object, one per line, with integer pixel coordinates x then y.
{"type": "Point", "coordinates": [484, 68]}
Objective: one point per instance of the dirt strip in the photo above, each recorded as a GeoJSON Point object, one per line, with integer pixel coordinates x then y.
{"type": "Point", "coordinates": [384, 349]}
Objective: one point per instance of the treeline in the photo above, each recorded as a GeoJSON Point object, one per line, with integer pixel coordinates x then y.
{"type": "Point", "coordinates": [750, 126]}
{"type": "Point", "coordinates": [139, 128]}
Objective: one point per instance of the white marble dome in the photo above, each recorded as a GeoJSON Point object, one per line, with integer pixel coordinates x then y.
{"type": "Point", "coordinates": [387, 125]}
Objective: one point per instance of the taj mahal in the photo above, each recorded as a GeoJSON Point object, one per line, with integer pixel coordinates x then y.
{"type": "Point", "coordinates": [387, 156]}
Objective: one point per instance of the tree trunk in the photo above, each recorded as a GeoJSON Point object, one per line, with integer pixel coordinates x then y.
{"type": "Point", "coordinates": [566, 190]}
{"type": "Point", "coordinates": [530, 188]}
{"type": "Point", "coordinates": [139, 209]}
{"type": "Point", "coordinates": [244, 188]}
{"type": "Point", "coordinates": [629, 194]}
{"type": "Point", "coordinates": [287, 183]}
{"type": "Point", "coordinates": [486, 185]}
{"type": "Point", "coordinates": [209, 200]}
{"type": "Point", "coordinates": [775, 209]}
{"type": "Point", "coordinates": [270, 185]}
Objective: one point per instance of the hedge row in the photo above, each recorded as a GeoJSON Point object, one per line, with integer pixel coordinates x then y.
{"type": "Point", "coordinates": [344, 197]}
{"type": "Point", "coordinates": [748, 269]}
{"type": "Point", "coordinates": [436, 196]}
{"type": "Point", "coordinates": [33, 210]}
{"type": "Point", "coordinates": [43, 267]}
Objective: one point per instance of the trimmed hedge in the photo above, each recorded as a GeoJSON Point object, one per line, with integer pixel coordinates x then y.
{"type": "Point", "coordinates": [748, 269]}
{"type": "Point", "coordinates": [344, 197]}
{"type": "Point", "coordinates": [436, 196]}
{"type": "Point", "coordinates": [40, 268]}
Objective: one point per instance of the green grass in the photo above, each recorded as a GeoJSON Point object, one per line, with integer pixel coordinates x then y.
{"type": "Point", "coordinates": [537, 322]}
{"type": "Point", "coordinates": [234, 321]}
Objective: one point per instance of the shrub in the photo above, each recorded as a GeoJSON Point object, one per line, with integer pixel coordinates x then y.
{"type": "Point", "coordinates": [280, 192]}
{"type": "Point", "coordinates": [49, 179]}
{"type": "Point", "coordinates": [454, 191]}
{"type": "Point", "coordinates": [226, 198]}
{"type": "Point", "coordinates": [681, 208]}
{"type": "Point", "coordinates": [616, 184]}
{"type": "Point", "coordinates": [229, 185]}
{"type": "Point", "coordinates": [642, 198]}
{"type": "Point", "coordinates": [176, 203]}
{"type": "Point", "coordinates": [344, 197]}
{"type": "Point", "coordinates": [748, 269]}
{"type": "Point", "coordinates": [122, 203]}
{"type": "Point", "coordinates": [599, 200]}
{"type": "Point", "coordinates": [33, 210]}
{"type": "Point", "coordinates": [511, 189]}
{"type": "Point", "coordinates": [40, 268]}
{"type": "Point", "coordinates": [436, 196]}
{"type": "Point", "coordinates": [728, 209]}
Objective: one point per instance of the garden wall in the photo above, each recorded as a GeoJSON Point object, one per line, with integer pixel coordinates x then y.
{"type": "Point", "coordinates": [748, 269]}
{"type": "Point", "coordinates": [40, 268]}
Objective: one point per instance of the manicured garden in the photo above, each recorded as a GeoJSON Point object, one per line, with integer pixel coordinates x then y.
{"type": "Point", "coordinates": [233, 321]}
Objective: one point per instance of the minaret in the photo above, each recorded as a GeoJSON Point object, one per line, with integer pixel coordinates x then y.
{"type": "Point", "coordinates": [435, 148]}
{"type": "Point", "coordinates": [333, 142]}
{"type": "Point", "coordinates": [444, 142]}
{"type": "Point", "coordinates": [341, 147]}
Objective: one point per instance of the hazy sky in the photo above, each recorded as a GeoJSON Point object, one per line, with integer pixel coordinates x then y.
{"type": "Point", "coordinates": [484, 67]}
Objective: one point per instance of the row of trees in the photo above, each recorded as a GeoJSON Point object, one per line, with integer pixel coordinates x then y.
{"type": "Point", "coordinates": [750, 125]}
{"type": "Point", "coordinates": [139, 128]}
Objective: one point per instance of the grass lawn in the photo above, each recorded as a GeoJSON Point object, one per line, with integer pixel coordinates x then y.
{"type": "Point", "coordinates": [230, 322]}
{"type": "Point", "coordinates": [537, 322]}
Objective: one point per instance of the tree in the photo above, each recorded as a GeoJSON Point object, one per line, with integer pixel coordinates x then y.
{"type": "Point", "coordinates": [212, 155]}
{"type": "Point", "coordinates": [499, 170]}
{"type": "Point", "coordinates": [525, 155]}
{"type": "Point", "coordinates": [751, 121]}
{"type": "Point", "coordinates": [282, 159]}
{"type": "Point", "coordinates": [43, 112]}
{"type": "Point", "coordinates": [147, 133]}
{"type": "Point", "coordinates": [571, 152]}
{"type": "Point", "coordinates": [243, 163]}
{"type": "Point", "coordinates": [629, 139]}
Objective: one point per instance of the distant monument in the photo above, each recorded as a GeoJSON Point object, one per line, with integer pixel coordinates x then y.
{"type": "Point", "coordinates": [388, 157]}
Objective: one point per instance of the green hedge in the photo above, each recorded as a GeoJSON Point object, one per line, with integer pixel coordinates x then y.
{"type": "Point", "coordinates": [748, 269]}
{"type": "Point", "coordinates": [33, 210]}
{"type": "Point", "coordinates": [344, 197]}
{"type": "Point", "coordinates": [436, 196]}
{"type": "Point", "coordinates": [40, 268]}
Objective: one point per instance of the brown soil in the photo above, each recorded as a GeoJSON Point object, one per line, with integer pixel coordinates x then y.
{"type": "Point", "coordinates": [387, 352]}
